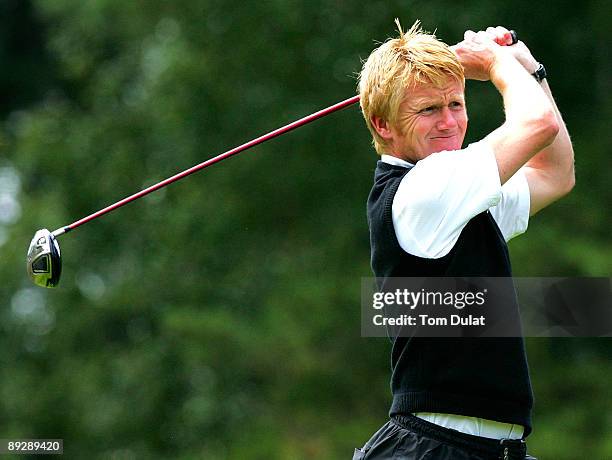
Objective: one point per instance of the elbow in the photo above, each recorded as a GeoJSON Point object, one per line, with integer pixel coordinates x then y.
{"type": "Point", "coordinates": [540, 129]}
{"type": "Point", "coordinates": [547, 127]}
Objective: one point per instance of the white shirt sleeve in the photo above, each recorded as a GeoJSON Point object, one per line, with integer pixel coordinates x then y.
{"type": "Point", "coordinates": [440, 195]}
{"type": "Point", "coordinates": [512, 211]}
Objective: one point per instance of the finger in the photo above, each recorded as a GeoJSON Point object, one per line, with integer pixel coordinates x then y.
{"type": "Point", "coordinates": [495, 35]}
{"type": "Point", "coordinates": [483, 36]}
{"type": "Point", "coordinates": [505, 38]}
{"type": "Point", "coordinates": [468, 35]}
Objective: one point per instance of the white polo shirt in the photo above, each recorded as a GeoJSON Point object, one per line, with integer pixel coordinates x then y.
{"type": "Point", "coordinates": [442, 192]}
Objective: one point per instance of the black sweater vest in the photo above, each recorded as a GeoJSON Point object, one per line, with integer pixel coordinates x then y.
{"type": "Point", "coordinates": [477, 377]}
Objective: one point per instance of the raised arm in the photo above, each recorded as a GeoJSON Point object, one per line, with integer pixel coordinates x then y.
{"type": "Point", "coordinates": [550, 173]}
{"type": "Point", "coordinates": [531, 124]}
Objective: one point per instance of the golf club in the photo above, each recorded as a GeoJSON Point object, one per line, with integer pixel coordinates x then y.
{"type": "Point", "coordinates": [44, 264]}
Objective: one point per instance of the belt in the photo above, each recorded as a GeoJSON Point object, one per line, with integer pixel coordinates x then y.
{"type": "Point", "coordinates": [499, 449]}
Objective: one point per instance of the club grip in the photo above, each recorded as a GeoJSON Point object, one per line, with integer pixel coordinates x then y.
{"type": "Point", "coordinates": [514, 37]}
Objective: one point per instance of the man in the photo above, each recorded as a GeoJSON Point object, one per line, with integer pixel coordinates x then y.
{"type": "Point", "coordinates": [438, 210]}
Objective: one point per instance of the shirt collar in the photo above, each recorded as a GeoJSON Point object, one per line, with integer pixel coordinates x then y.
{"type": "Point", "coordinates": [389, 159]}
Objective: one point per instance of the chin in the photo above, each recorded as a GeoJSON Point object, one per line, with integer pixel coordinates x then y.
{"type": "Point", "coordinates": [445, 146]}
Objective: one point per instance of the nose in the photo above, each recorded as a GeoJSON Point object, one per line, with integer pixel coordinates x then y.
{"type": "Point", "coordinates": [447, 119]}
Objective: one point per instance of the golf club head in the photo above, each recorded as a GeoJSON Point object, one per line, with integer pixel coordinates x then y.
{"type": "Point", "coordinates": [43, 260]}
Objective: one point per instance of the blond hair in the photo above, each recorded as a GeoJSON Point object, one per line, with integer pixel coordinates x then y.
{"type": "Point", "coordinates": [414, 57]}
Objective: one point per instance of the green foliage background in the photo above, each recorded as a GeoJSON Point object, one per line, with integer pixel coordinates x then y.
{"type": "Point", "coordinates": [219, 318]}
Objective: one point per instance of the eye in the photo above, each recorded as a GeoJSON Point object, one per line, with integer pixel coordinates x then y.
{"type": "Point", "coordinates": [427, 110]}
{"type": "Point", "coordinates": [456, 105]}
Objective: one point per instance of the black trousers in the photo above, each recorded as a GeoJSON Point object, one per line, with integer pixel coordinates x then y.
{"type": "Point", "coordinates": [406, 437]}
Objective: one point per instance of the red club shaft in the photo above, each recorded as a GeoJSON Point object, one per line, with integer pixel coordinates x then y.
{"type": "Point", "coordinates": [209, 162]}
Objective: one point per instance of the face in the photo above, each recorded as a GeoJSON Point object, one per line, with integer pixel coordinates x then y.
{"type": "Point", "coordinates": [430, 120]}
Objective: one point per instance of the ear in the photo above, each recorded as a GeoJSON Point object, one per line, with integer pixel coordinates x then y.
{"type": "Point", "coordinates": [382, 127]}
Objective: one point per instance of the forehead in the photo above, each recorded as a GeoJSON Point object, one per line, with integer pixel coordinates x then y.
{"type": "Point", "coordinates": [423, 93]}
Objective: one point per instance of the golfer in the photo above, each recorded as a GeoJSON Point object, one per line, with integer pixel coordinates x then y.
{"type": "Point", "coordinates": [440, 210]}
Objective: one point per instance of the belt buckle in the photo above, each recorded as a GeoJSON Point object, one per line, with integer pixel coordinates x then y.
{"type": "Point", "coordinates": [505, 455]}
